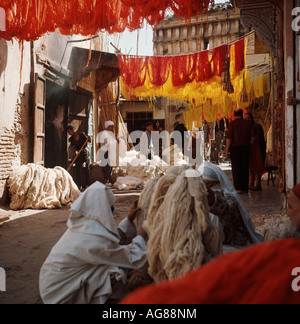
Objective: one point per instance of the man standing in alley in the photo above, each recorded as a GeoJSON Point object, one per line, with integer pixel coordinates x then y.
{"type": "Point", "coordinates": [110, 149]}
{"type": "Point", "coordinates": [146, 144]}
{"type": "Point", "coordinates": [78, 141]}
{"type": "Point", "coordinates": [240, 136]}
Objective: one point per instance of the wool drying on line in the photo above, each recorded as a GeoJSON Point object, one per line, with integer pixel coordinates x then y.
{"type": "Point", "coordinates": [34, 187]}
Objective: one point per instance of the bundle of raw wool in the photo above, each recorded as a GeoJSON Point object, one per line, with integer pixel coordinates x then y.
{"type": "Point", "coordinates": [136, 165]}
{"type": "Point", "coordinates": [34, 187]}
{"type": "Point", "coordinates": [181, 234]}
{"type": "Point", "coordinates": [144, 202]}
{"type": "Point", "coordinates": [278, 228]}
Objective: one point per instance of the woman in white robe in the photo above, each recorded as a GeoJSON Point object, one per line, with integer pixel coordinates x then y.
{"type": "Point", "coordinates": [89, 263]}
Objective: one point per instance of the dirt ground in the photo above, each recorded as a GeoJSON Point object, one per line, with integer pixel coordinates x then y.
{"type": "Point", "coordinates": [25, 242]}
{"type": "Point", "coordinates": [27, 238]}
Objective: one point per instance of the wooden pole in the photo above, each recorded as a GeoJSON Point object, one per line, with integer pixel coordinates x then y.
{"type": "Point", "coordinates": [78, 154]}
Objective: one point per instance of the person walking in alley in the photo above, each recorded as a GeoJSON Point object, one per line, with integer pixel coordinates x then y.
{"type": "Point", "coordinates": [257, 155]}
{"type": "Point", "coordinates": [78, 141]}
{"type": "Point", "coordinates": [240, 136]}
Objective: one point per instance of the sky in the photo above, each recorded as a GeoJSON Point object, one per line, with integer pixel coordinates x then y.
{"type": "Point", "coordinates": [127, 41]}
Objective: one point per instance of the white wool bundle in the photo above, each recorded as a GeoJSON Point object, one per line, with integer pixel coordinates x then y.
{"type": "Point", "coordinates": [278, 228]}
{"type": "Point", "coordinates": [181, 234]}
{"type": "Point", "coordinates": [144, 202]}
{"type": "Point", "coordinates": [33, 186]}
{"type": "Point", "coordinates": [135, 164]}
{"type": "Point", "coordinates": [128, 182]}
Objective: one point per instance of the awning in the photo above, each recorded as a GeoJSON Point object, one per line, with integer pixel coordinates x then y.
{"type": "Point", "coordinates": [83, 62]}
{"type": "Point", "coordinates": [28, 20]}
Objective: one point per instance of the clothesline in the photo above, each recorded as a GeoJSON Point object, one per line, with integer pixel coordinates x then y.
{"type": "Point", "coordinates": [195, 79]}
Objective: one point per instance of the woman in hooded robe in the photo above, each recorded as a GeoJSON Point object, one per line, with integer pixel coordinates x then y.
{"type": "Point", "coordinates": [228, 211]}
{"type": "Point", "coordinates": [89, 264]}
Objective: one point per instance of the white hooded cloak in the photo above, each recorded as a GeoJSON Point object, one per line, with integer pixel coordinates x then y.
{"type": "Point", "coordinates": [212, 172]}
{"type": "Point", "coordinates": [81, 266]}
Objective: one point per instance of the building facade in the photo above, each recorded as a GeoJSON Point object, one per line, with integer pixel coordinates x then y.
{"type": "Point", "coordinates": [45, 85]}
{"type": "Point", "coordinates": [219, 26]}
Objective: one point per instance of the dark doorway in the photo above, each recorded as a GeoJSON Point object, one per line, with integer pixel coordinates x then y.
{"type": "Point", "coordinates": [56, 120]}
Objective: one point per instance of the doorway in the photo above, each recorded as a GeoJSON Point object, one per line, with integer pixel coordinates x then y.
{"type": "Point", "coordinates": [55, 125]}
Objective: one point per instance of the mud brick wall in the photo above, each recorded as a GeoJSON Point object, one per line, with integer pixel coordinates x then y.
{"type": "Point", "coordinates": [10, 154]}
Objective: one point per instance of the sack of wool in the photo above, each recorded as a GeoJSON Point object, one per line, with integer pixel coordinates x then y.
{"type": "Point", "coordinates": [33, 186]}
{"type": "Point", "coordinates": [262, 274]}
{"type": "Point", "coordinates": [181, 234]}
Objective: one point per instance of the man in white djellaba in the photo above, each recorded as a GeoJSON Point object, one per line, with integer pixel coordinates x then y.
{"type": "Point", "coordinates": [89, 264]}
{"type": "Point", "coordinates": [110, 149]}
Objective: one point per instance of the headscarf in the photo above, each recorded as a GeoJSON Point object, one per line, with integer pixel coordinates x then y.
{"type": "Point", "coordinates": [109, 123]}
{"type": "Point", "coordinates": [208, 168]}
{"type": "Point", "coordinates": [91, 213]}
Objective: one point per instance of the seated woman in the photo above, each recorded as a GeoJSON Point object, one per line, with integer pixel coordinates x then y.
{"type": "Point", "coordinates": [89, 264]}
{"type": "Point", "coordinates": [235, 223]}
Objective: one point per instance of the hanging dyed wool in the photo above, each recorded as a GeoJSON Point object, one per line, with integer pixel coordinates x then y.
{"type": "Point", "coordinates": [170, 72]}
{"type": "Point", "coordinates": [226, 78]}
{"type": "Point", "coordinates": [29, 20]}
{"type": "Point", "coordinates": [210, 82]}
{"type": "Point", "coordinates": [239, 48]}
{"type": "Point", "coordinates": [159, 70]}
{"type": "Point", "coordinates": [181, 234]}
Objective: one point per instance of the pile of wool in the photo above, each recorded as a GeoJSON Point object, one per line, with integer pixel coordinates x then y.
{"type": "Point", "coordinates": [136, 166]}
{"type": "Point", "coordinates": [128, 182]}
{"type": "Point", "coordinates": [278, 228]}
{"type": "Point", "coordinates": [181, 234]}
{"type": "Point", "coordinates": [34, 187]}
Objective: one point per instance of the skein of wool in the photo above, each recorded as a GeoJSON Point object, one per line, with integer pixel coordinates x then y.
{"type": "Point", "coordinates": [181, 234]}
{"type": "Point", "coordinates": [144, 202]}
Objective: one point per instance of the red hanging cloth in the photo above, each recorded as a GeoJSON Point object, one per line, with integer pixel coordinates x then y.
{"type": "Point", "coordinates": [133, 69]}
{"type": "Point", "coordinates": [239, 48]}
{"type": "Point", "coordinates": [203, 67]}
{"type": "Point", "coordinates": [218, 60]}
{"type": "Point", "coordinates": [184, 69]}
{"type": "Point", "coordinates": [159, 69]}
